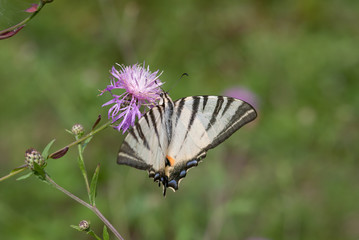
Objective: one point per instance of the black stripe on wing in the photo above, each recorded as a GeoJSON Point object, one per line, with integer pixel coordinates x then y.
{"type": "Point", "coordinates": [169, 114]}
{"type": "Point", "coordinates": [147, 121]}
{"type": "Point", "coordinates": [216, 110]}
{"type": "Point", "coordinates": [243, 114]}
{"type": "Point", "coordinates": [141, 135]}
{"type": "Point", "coordinates": [180, 108]}
{"type": "Point", "coordinates": [205, 99]}
{"type": "Point", "coordinates": [228, 104]}
{"type": "Point", "coordinates": [196, 101]}
{"type": "Point", "coordinates": [128, 156]}
{"type": "Point", "coordinates": [154, 125]}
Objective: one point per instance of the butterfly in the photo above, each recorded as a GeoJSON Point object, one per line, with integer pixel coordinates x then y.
{"type": "Point", "coordinates": [175, 136]}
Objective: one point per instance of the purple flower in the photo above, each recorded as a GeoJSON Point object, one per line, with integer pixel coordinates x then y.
{"type": "Point", "coordinates": [243, 94]}
{"type": "Point", "coordinates": [141, 88]}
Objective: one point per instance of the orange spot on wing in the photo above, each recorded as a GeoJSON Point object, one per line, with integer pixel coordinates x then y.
{"type": "Point", "coordinates": [171, 160]}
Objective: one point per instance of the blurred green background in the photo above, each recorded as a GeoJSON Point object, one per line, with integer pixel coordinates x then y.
{"type": "Point", "coordinates": [292, 174]}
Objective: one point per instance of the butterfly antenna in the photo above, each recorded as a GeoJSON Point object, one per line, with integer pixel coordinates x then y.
{"type": "Point", "coordinates": [183, 74]}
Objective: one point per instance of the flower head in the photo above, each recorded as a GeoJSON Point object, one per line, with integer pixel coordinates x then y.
{"type": "Point", "coordinates": [77, 130]}
{"type": "Point", "coordinates": [141, 86]}
{"type": "Point", "coordinates": [84, 225]}
{"type": "Point", "coordinates": [33, 156]}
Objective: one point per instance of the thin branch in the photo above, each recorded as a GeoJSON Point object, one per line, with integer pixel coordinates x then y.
{"type": "Point", "coordinates": [12, 173]}
{"type": "Point", "coordinates": [22, 168]}
{"type": "Point", "coordinates": [94, 209]}
{"type": "Point", "coordinates": [85, 137]}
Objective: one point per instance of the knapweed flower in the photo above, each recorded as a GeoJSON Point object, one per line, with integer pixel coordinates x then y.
{"type": "Point", "coordinates": [84, 225]}
{"type": "Point", "coordinates": [141, 86]}
{"type": "Point", "coordinates": [243, 94]}
{"type": "Point", "coordinates": [31, 156]}
{"type": "Point", "coordinates": [77, 130]}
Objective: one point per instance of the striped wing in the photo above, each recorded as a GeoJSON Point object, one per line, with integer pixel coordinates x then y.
{"type": "Point", "coordinates": [146, 143]}
{"type": "Point", "coordinates": [199, 124]}
{"type": "Point", "coordinates": [174, 136]}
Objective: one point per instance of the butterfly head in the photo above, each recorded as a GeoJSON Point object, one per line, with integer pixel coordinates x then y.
{"type": "Point", "coordinates": [164, 98]}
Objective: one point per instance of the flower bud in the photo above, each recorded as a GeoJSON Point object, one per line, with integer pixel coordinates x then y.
{"type": "Point", "coordinates": [77, 129]}
{"type": "Point", "coordinates": [31, 156]}
{"type": "Point", "coordinates": [84, 225]}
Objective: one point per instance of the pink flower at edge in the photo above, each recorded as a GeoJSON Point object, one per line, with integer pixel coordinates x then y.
{"type": "Point", "coordinates": [243, 94]}
{"type": "Point", "coordinates": [141, 86]}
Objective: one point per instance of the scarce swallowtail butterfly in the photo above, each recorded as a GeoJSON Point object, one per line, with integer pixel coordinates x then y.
{"type": "Point", "coordinates": [174, 136]}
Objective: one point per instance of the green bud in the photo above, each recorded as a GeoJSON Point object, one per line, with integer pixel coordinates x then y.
{"type": "Point", "coordinates": [31, 156]}
{"type": "Point", "coordinates": [77, 130]}
{"type": "Point", "coordinates": [84, 225]}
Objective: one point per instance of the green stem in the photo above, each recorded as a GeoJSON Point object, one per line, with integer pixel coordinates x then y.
{"type": "Point", "coordinates": [40, 6]}
{"type": "Point", "coordinates": [94, 209]}
{"type": "Point", "coordinates": [92, 233]}
{"type": "Point", "coordinates": [93, 132]}
{"type": "Point", "coordinates": [12, 173]}
{"type": "Point", "coordinates": [83, 169]}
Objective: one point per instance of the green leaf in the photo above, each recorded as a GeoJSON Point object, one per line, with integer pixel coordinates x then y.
{"type": "Point", "coordinates": [92, 233]}
{"type": "Point", "coordinates": [69, 131]}
{"type": "Point", "coordinates": [45, 152]}
{"type": "Point", "coordinates": [39, 172]}
{"type": "Point", "coordinates": [105, 234]}
{"type": "Point", "coordinates": [93, 185]}
{"type": "Point", "coordinates": [24, 176]}
{"type": "Point", "coordinates": [76, 227]}
{"type": "Point", "coordinates": [85, 143]}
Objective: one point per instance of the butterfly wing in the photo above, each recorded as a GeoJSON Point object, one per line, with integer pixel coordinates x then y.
{"type": "Point", "coordinates": [146, 143]}
{"type": "Point", "coordinates": [199, 124]}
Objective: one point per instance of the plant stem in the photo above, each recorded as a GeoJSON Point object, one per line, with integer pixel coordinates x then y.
{"type": "Point", "coordinates": [93, 208]}
{"type": "Point", "coordinates": [12, 173]}
{"type": "Point", "coordinates": [83, 169]}
{"type": "Point", "coordinates": [106, 222]}
{"type": "Point", "coordinates": [52, 182]}
{"type": "Point", "coordinates": [90, 134]}
{"type": "Point", "coordinates": [40, 6]}
{"type": "Point", "coordinates": [23, 167]}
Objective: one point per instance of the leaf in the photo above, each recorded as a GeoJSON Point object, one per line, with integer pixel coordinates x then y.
{"type": "Point", "coordinates": [39, 172]}
{"type": "Point", "coordinates": [45, 152]}
{"type": "Point", "coordinates": [85, 143]}
{"type": "Point", "coordinates": [19, 169]}
{"type": "Point", "coordinates": [23, 177]}
{"type": "Point", "coordinates": [96, 122]}
{"type": "Point", "coordinates": [93, 185]}
{"type": "Point", "coordinates": [6, 34]}
{"type": "Point", "coordinates": [92, 233]}
{"type": "Point", "coordinates": [76, 227]}
{"type": "Point", "coordinates": [69, 131]}
{"type": "Point", "coordinates": [59, 153]}
{"type": "Point", "coordinates": [105, 234]}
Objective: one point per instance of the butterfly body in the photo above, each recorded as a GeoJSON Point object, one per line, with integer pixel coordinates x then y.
{"type": "Point", "coordinates": [173, 137]}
